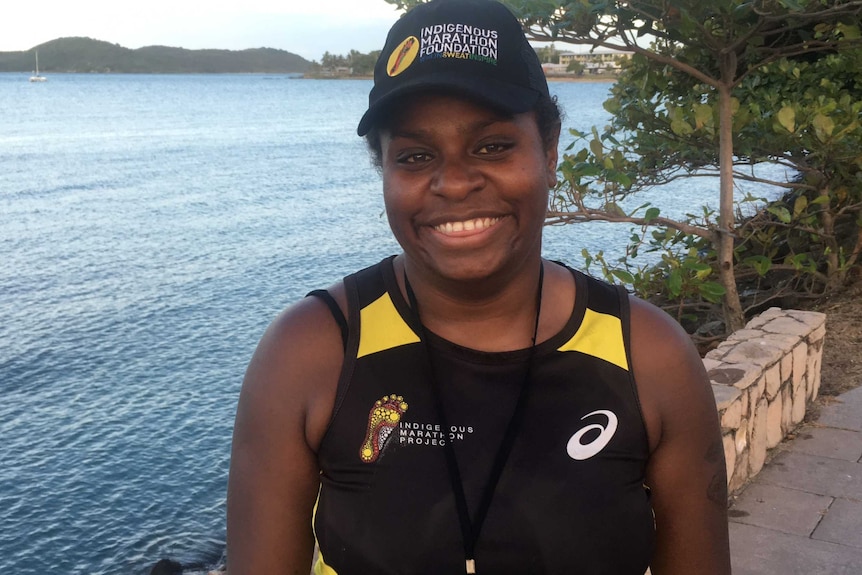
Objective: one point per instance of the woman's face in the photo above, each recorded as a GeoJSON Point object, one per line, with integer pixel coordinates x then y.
{"type": "Point", "coordinates": [465, 188]}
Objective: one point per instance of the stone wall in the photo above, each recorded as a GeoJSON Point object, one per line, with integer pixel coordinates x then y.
{"type": "Point", "coordinates": [763, 378]}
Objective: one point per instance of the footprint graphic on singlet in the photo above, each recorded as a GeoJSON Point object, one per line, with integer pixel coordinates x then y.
{"type": "Point", "coordinates": [382, 419]}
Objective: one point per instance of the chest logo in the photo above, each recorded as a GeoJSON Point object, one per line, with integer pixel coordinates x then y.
{"type": "Point", "coordinates": [382, 420]}
{"type": "Point", "coordinates": [580, 451]}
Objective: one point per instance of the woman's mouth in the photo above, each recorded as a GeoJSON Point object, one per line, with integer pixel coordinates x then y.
{"type": "Point", "coordinates": [474, 225]}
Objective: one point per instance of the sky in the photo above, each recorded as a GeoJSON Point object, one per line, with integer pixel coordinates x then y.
{"type": "Point", "coordinates": [305, 27]}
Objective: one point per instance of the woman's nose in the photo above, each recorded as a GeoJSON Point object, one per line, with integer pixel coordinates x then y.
{"type": "Point", "coordinates": [457, 178]}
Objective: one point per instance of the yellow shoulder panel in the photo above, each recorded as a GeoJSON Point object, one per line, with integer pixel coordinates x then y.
{"type": "Point", "coordinates": [601, 336]}
{"type": "Point", "coordinates": [321, 568]}
{"type": "Point", "coordinates": [382, 327]}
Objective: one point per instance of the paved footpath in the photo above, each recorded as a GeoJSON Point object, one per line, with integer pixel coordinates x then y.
{"type": "Point", "coordinates": [802, 514]}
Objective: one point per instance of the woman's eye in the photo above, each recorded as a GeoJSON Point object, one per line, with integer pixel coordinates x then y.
{"type": "Point", "coordinates": [494, 148]}
{"type": "Point", "coordinates": [414, 158]}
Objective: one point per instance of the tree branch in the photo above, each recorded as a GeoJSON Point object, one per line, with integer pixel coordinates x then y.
{"type": "Point", "coordinates": [555, 217]}
{"type": "Point", "coordinates": [627, 46]}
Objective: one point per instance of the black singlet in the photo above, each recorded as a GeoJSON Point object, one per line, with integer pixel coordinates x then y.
{"type": "Point", "coordinates": [571, 499]}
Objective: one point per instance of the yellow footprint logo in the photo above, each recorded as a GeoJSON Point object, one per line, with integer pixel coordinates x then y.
{"type": "Point", "coordinates": [382, 420]}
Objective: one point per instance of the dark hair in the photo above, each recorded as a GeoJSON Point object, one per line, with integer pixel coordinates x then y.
{"type": "Point", "coordinates": [548, 120]}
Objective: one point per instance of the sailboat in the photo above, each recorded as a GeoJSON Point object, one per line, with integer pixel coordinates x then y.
{"type": "Point", "coordinates": [36, 77]}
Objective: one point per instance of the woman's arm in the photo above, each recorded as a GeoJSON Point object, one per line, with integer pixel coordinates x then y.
{"type": "Point", "coordinates": [283, 411]}
{"type": "Point", "coordinates": [686, 471]}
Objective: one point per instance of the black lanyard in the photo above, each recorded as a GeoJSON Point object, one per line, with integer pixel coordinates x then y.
{"type": "Point", "coordinates": [470, 529]}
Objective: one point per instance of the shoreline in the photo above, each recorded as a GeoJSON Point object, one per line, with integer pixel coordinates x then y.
{"type": "Point", "coordinates": [606, 79]}
{"type": "Point", "coordinates": [602, 79]}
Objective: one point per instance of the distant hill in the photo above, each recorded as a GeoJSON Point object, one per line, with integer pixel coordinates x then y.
{"type": "Point", "coordinates": [88, 55]}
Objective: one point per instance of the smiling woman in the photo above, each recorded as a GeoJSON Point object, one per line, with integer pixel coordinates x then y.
{"type": "Point", "coordinates": [465, 405]}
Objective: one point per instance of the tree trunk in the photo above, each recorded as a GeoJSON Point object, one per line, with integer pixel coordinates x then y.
{"type": "Point", "coordinates": [734, 318]}
{"type": "Point", "coordinates": [834, 274]}
{"type": "Point", "coordinates": [827, 224]}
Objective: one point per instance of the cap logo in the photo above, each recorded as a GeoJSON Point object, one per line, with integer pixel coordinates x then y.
{"type": "Point", "coordinates": [461, 41]}
{"type": "Point", "coordinates": [402, 56]}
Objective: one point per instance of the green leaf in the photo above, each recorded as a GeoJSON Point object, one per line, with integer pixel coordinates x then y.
{"type": "Point", "coordinates": [711, 291]}
{"type": "Point", "coordinates": [782, 213]}
{"type": "Point", "coordinates": [702, 115]}
{"type": "Point", "coordinates": [680, 127]}
{"type": "Point", "coordinates": [760, 264]}
{"type": "Point", "coordinates": [614, 209]}
{"type": "Point", "coordinates": [624, 180]}
{"type": "Point", "coordinates": [823, 127]}
{"type": "Point", "coordinates": [651, 214]}
{"type": "Point", "coordinates": [798, 261]}
{"type": "Point", "coordinates": [799, 206]}
{"type": "Point", "coordinates": [787, 118]}
{"type": "Point", "coordinates": [587, 170]}
{"type": "Point", "coordinates": [674, 283]}
{"type": "Point", "coordinates": [849, 32]}
{"type": "Point", "coordinates": [701, 270]}
{"type": "Point", "coordinates": [581, 156]}
{"type": "Point", "coordinates": [596, 149]}
{"type": "Point", "coordinates": [624, 276]}
{"type": "Point", "coordinates": [612, 106]}
{"type": "Point", "coordinates": [734, 105]}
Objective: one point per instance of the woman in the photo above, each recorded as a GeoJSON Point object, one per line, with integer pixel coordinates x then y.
{"type": "Point", "coordinates": [467, 406]}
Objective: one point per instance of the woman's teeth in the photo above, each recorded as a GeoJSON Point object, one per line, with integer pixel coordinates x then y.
{"type": "Point", "coordinates": [477, 224]}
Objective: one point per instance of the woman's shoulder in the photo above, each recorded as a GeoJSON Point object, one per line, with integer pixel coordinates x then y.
{"type": "Point", "coordinates": [297, 363]}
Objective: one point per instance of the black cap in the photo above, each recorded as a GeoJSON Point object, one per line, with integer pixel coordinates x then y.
{"type": "Point", "coordinates": [473, 47]}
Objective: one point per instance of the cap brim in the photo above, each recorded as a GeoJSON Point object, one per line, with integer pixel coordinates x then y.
{"type": "Point", "coordinates": [502, 96]}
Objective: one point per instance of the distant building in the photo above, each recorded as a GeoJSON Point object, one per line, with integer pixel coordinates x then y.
{"type": "Point", "coordinates": [554, 69]}
{"type": "Point", "coordinates": [335, 71]}
{"type": "Point", "coordinates": [599, 61]}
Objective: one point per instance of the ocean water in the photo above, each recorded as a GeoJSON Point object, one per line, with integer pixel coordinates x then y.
{"type": "Point", "coordinates": [150, 228]}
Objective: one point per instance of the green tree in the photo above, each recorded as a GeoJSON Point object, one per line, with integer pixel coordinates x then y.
{"type": "Point", "coordinates": [700, 53]}
{"type": "Point", "coordinates": [576, 67]}
{"type": "Point", "coordinates": [548, 54]}
{"type": "Point", "coordinates": [813, 124]}
{"type": "Point", "coordinates": [799, 114]}
{"type": "Point", "coordinates": [332, 61]}
{"type": "Point", "coordinates": [362, 64]}
{"type": "Point", "coordinates": [358, 63]}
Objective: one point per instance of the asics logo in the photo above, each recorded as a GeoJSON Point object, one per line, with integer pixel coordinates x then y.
{"type": "Point", "coordinates": [580, 451]}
